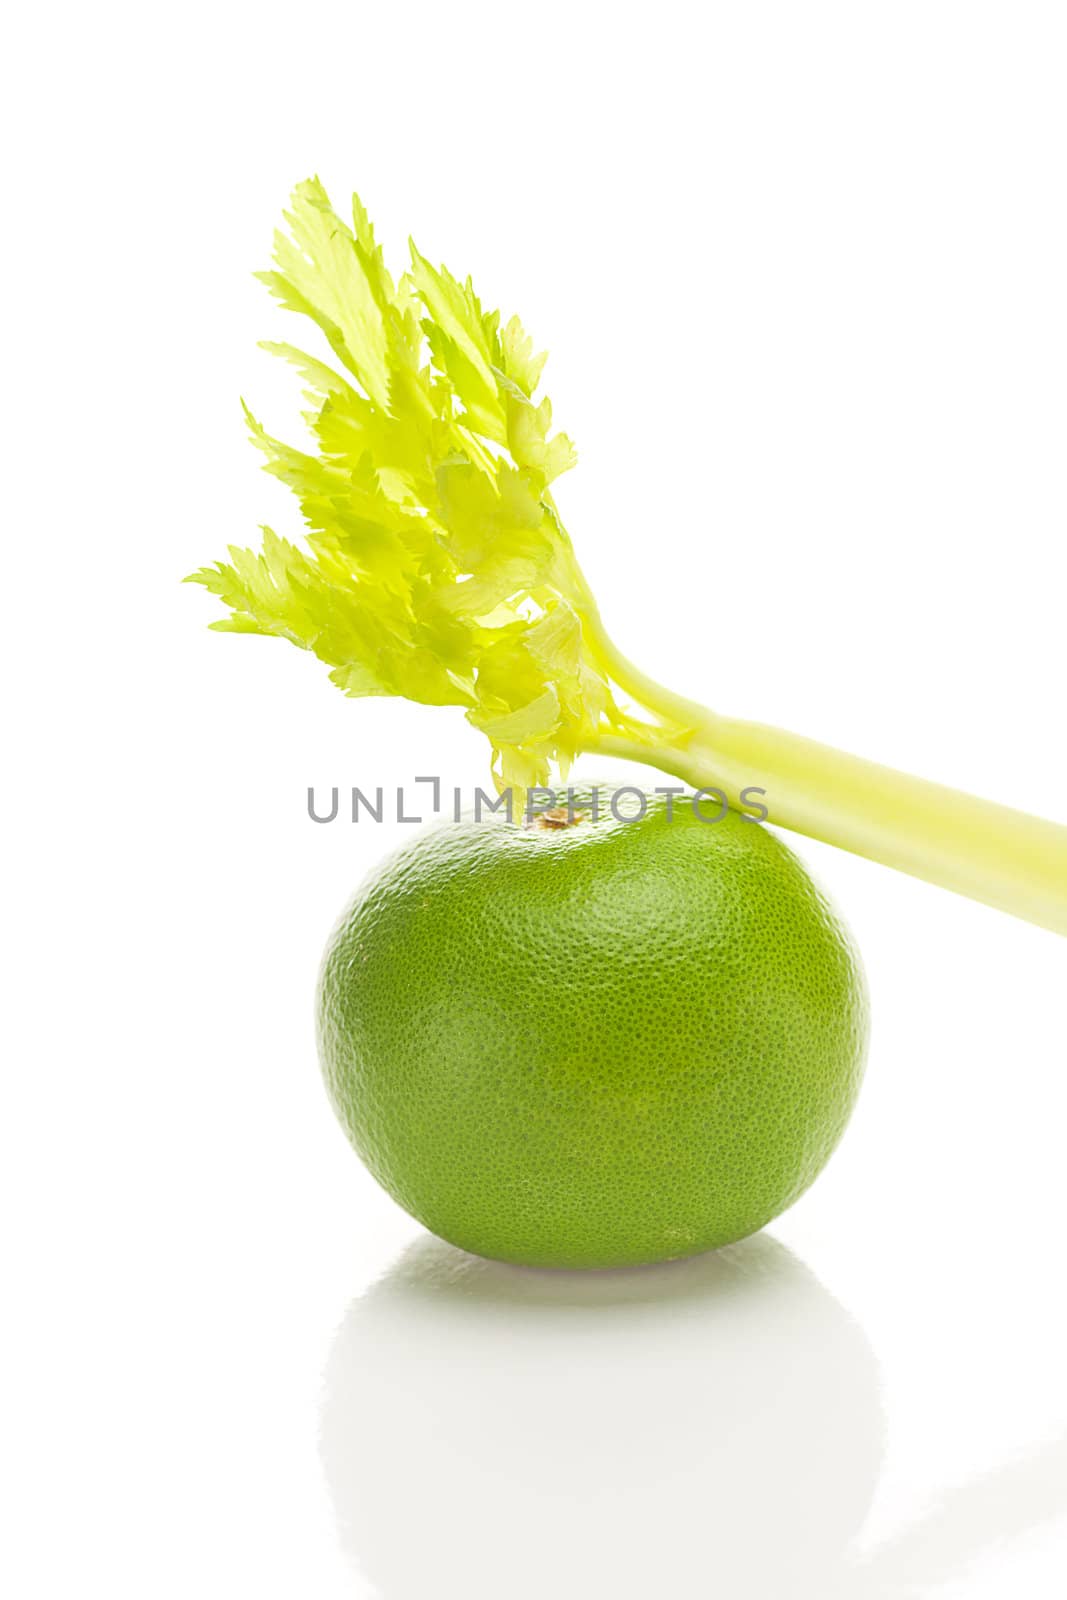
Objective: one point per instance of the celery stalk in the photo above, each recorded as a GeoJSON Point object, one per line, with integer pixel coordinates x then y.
{"type": "Point", "coordinates": [437, 568]}
{"type": "Point", "coordinates": [992, 853]}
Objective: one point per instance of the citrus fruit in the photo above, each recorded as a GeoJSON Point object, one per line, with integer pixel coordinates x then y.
{"type": "Point", "coordinates": [594, 1043]}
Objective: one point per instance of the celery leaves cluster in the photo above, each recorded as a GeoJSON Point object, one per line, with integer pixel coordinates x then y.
{"type": "Point", "coordinates": [436, 565]}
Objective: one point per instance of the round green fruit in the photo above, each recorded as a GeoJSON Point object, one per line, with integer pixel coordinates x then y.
{"type": "Point", "coordinates": [593, 1043]}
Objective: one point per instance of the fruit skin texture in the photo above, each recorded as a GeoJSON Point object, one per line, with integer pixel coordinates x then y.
{"type": "Point", "coordinates": [600, 1045]}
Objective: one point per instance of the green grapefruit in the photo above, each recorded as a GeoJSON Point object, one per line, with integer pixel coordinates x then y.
{"type": "Point", "coordinates": [597, 1044]}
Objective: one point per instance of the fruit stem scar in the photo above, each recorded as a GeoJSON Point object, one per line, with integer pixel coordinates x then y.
{"type": "Point", "coordinates": [556, 817]}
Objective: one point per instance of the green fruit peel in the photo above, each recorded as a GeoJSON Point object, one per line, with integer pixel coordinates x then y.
{"type": "Point", "coordinates": [600, 1045]}
{"type": "Point", "coordinates": [436, 568]}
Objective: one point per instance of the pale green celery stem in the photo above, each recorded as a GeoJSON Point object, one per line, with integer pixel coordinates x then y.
{"type": "Point", "coordinates": [1002, 857]}
{"type": "Point", "coordinates": [664, 704]}
{"type": "Point", "coordinates": [990, 852]}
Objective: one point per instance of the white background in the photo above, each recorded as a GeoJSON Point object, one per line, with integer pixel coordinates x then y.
{"type": "Point", "coordinates": [802, 270]}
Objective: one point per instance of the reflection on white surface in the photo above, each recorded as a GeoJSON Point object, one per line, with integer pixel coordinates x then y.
{"type": "Point", "coordinates": [710, 1426]}
{"type": "Point", "coordinates": [966, 1522]}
